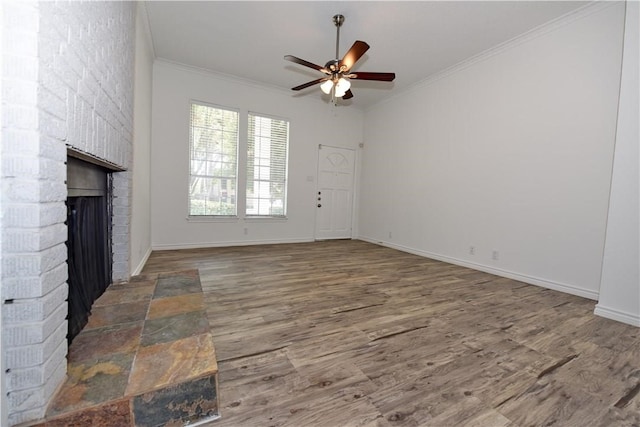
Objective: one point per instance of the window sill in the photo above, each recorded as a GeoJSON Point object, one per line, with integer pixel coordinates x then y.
{"type": "Point", "coordinates": [204, 218]}
{"type": "Point", "coordinates": [264, 218]}
{"type": "Point", "coordinates": [231, 218]}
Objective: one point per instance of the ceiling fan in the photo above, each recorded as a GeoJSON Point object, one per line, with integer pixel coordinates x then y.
{"type": "Point", "coordinates": [338, 71]}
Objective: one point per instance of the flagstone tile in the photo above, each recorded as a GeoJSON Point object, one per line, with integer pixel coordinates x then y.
{"type": "Point", "coordinates": [92, 383]}
{"type": "Point", "coordinates": [101, 342]}
{"type": "Point", "coordinates": [173, 328]}
{"type": "Point", "coordinates": [178, 283]}
{"type": "Point", "coordinates": [164, 364]}
{"type": "Point", "coordinates": [180, 404]}
{"type": "Point", "coordinates": [125, 294]}
{"type": "Point", "coordinates": [114, 314]}
{"type": "Point", "coordinates": [147, 342]}
{"type": "Point", "coordinates": [112, 414]}
{"type": "Point", "coordinates": [169, 306]}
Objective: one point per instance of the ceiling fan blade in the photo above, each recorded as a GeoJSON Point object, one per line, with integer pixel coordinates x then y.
{"type": "Point", "coordinates": [383, 77]}
{"type": "Point", "coordinates": [351, 57]}
{"type": "Point", "coordinates": [306, 63]}
{"type": "Point", "coordinates": [348, 95]}
{"type": "Point", "coordinates": [311, 83]}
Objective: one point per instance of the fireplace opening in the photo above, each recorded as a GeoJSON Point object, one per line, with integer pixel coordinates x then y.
{"type": "Point", "coordinates": [89, 258]}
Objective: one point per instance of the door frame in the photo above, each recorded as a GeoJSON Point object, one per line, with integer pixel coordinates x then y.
{"type": "Point", "coordinates": [354, 185]}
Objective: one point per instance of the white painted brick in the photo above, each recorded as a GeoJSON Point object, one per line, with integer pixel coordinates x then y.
{"type": "Point", "coordinates": [21, 41]}
{"type": "Point", "coordinates": [49, 47]}
{"type": "Point", "coordinates": [53, 126]}
{"type": "Point", "coordinates": [36, 354]}
{"type": "Point", "coordinates": [20, 240]}
{"type": "Point", "coordinates": [31, 190]}
{"type": "Point", "coordinates": [20, 166]}
{"type": "Point", "coordinates": [33, 398]}
{"type": "Point", "coordinates": [51, 82]}
{"type": "Point", "coordinates": [54, 104]}
{"type": "Point", "coordinates": [26, 264]}
{"type": "Point", "coordinates": [20, 92]}
{"type": "Point", "coordinates": [82, 65]}
{"type": "Point", "coordinates": [33, 264]}
{"type": "Point", "coordinates": [22, 378]}
{"type": "Point", "coordinates": [66, 74]}
{"type": "Point", "coordinates": [119, 240]}
{"type": "Point", "coordinates": [121, 211]}
{"type": "Point", "coordinates": [36, 309]}
{"type": "Point", "coordinates": [120, 257]}
{"type": "Point", "coordinates": [120, 230]}
{"type": "Point", "coordinates": [53, 149]}
{"type": "Point", "coordinates": [34, 333]}
{"type": "Point", "coordinates": [34, 286]}
{"type": "Point", "coordinates": [20, 141]}
{"type": "Point", "coordinates": [121, 200]}
{"type": "Point", "coordinates": [19, 66]}
{"type": "Point", "coordinates": [73, 62]}
{"type": "Point", "coordinates": [121, 271]}
{"type": "Point", "coordinates": [34, 214]}
{"type": "Point", "coordinates": [21, 16]}
{"type": "Point", "coordinates": [33, 167]}
{"type": "Point", "coordinates": [53, 169]}
{"type": "Point", "coordinates": [54, 256]}
{"type": "Point", "coordinates": [22, 190]}
{"type": "Point", "coordinates": [20, 117]}
{"type": "Point", "coordinates": [16, 418]}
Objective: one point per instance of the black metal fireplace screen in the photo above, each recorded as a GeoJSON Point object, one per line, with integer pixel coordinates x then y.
{"type": "Point", "coordinates": [89, 240]}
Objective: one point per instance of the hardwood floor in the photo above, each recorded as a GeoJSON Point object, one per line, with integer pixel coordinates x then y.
{"type": "Point", "coordinates": [346, 333]}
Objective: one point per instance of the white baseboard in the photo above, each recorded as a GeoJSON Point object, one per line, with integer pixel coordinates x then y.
{"type": "Point", "coordinates": [620, 316]}
{"type": "Point", "coordinates": [569, 289]}
{"type": "Point", "coordinates": [168, 247]}
{"type": "Point", "coordinates": [143, 261]}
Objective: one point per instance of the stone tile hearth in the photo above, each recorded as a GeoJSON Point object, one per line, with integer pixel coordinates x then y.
{"type": "Point", "coordinates": [146, 358]}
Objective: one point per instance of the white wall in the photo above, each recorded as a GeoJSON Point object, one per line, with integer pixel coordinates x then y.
{"type": "Point", "coordinates": [511, 152]}
{"type": "Point", "coordinates": [312, 122]}
{"type": "Point", "coordinates": [620, 287]}
{"type": "Point", "coordinates": [140, 239]}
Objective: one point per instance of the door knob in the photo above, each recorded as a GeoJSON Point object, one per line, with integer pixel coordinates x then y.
{"type": "Point", "coordinates": [319, 205]}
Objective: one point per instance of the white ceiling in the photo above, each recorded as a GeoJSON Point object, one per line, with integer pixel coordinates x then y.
{"type": "Point", "coordinates": [414, 39]}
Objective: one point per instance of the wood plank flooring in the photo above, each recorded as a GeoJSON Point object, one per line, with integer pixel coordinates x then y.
{"type": "Point", "coordinates": [347, 333]}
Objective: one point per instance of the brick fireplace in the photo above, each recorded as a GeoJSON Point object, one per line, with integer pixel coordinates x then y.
{"type": "Point", "coordinates": [70, 70]}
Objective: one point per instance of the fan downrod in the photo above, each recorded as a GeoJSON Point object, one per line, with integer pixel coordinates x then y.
{"type": "Point", "coordinates": [333, 65]}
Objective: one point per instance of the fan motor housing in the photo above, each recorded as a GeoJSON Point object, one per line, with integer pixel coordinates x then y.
{"type": "Point", "coordinates": [332, 65]}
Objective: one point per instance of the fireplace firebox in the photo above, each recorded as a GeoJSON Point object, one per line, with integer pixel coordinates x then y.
{"type": "Point", "coordinates": [89, 256]}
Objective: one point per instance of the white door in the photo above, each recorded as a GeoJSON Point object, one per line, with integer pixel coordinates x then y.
{"type": "Point", "coordinates": [335, 193]}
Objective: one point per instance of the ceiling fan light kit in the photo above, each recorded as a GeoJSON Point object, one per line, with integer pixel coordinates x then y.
{"type": "Point", "coordinates": [327, 86]}
{"type": "Point", "coordinates": [338, 71]}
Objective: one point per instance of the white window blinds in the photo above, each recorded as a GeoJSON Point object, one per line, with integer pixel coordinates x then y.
{"type": "Point", "coordinates": [213, 138]}
{"type": "Point", "coordinates": [267, 146]}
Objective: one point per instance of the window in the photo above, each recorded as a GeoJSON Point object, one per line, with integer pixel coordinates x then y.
{"type": "Point", "coordinates": [213, 139]}
{"type": "Point", "coordinates": [267, 144]}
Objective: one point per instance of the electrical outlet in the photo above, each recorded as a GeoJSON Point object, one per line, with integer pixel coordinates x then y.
{"type": "Point", "coordinates": [472, 250]}
{"type": "Point", "coordinates": [246, 231]}
{"type": "Point", "coordinates": [390, 235]}
{"type": "Point", "coordinates": [495, 255]}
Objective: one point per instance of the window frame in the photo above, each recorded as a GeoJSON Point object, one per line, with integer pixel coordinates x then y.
{"type": "Point", "coordinates": [285, 173]}
{"type": "Point", "coordinates": [213, 217]}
